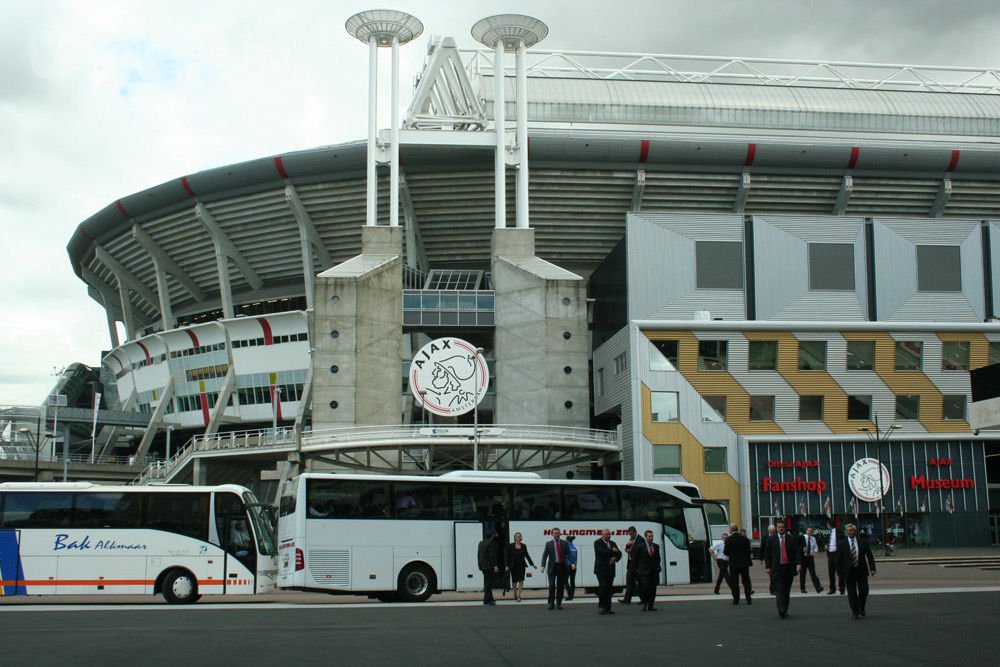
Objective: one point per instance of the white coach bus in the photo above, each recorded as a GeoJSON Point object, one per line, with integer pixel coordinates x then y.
{"type": "Point", "coordinates": [178, 541]}
{"type": "Point", "coordinates": [405, 537]}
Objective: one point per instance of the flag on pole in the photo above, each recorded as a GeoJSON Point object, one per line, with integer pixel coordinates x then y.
{"type": "Point", "coordinates": [899, 504]}
{"type": "Point", "coordinates": [97, 404]}
{"type": "Point", "coordinates": [853, 507]}
{"type": "Point", "coordinates": [949, 505]}
{"type": "Point", "coordinates": [828, 507]}
{"type": "Point", "coordinates": [802, 507]}
{"type": "Point", "coordinates": [777, 509]}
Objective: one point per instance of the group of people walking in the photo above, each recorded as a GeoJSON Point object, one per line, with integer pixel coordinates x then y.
{"type": "Point", "coordinates": [849, 564]}
{"type": "Point", "coordinates": [849, 559]}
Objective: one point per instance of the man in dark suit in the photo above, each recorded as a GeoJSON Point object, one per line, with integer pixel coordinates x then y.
{"type": "Point", "coordinates": [489, 565]}
{"type": "Point", "coordinates": [631, 578]}
{"type": "Point", "coordinates": [555, 556]}
{"type": "Point", "coordinates": [857, 563]}
{"type": "Point", "coordinates": [606, 554]}
{"type": "Point", "coordinates": [647, 569]}
{"type": "Point", "coordinates": [740, 557]}
{"type": "Point", "coordinates": [782, 560]}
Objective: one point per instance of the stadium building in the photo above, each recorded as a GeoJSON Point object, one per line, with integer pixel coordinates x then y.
{"type": "Point", "coordinates": [770, 278]}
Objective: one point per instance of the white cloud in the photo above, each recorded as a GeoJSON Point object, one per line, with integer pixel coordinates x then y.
{"type": "Point", "coordinates": [101, 99]}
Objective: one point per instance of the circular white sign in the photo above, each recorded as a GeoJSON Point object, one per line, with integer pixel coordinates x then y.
{"type": "Point", "coordinates": [863, 478]}
{"type": "Point", "coordinates": [449, 377]}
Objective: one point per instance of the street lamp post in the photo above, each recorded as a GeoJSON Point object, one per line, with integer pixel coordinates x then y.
{"type": "Point", "coordinates": [475, 421]}
{"type": "Point", "coordinates": [36, 444]}
{"type": "Point", "coordinates": [878, 437]}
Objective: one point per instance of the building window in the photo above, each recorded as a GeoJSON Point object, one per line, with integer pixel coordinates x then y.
{"type": "Point", "coordinates": [859, 408]}
{"type": "Point", "coordinates": [810, 408]}
{"type": "Point", "coordinates": [762, 408]}
{"type": "Point", "coordinates": [955, 356]}
{"type": "Point", "coordinates": [713, 408]}
{"type": "Point", "coordinates": [939, 268]}
{"type": "Point", "coordinates": [621, 364]}
{"type": "Point", "coordinates": [663, 355]}
{"type": "Point", "coordinates": [908, 406]}
{"type": "Point", "coordinates": [860, 355]}
{"type": "Point", "coordinates": [954, 407]}
{"type": "Point", "coordinates": [666, 459]}
{"type": "Point", "coordinates": [713, 355]}
{"type": "Point", "coordinates": [812, 355]}
{"type": "Point", "coordinates": [908, 354]}
{"type": "Point", "coordinates": [599, 382]}
{"type": "Point", "coordinates": [715, 459]}
{"type": "Point", "coordinates": [994, 352]}
{"type": "Point", "coordinates": [763, 355]}
{"type": "Point", "coordinates": [831, 266]}
{"type": "Point", "coordinates": [663, 405]}
{"type": "Point", "coordinates": [718, 264]}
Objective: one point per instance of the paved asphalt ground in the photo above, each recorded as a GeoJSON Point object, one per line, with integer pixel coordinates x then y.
{"type": "Point", "coordinates": [919, 614]}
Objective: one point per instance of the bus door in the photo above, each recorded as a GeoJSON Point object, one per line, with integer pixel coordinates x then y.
{"type": "Point", "coordinates": [235, 536]}
{"type": "Point", "coordinates": [468, 534]}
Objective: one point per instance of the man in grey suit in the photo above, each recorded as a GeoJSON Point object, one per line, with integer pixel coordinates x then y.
{"type": "Point", "coordinates": [555, 557]}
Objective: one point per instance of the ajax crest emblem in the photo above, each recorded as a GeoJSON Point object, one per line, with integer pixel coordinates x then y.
{"type": "Point", "coordinates": [863, 478]}
{"type": "Point", "coordinates": [448, 376]}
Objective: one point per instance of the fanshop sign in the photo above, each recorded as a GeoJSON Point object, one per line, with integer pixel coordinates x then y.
{"type": "Point", "coordinates": [449, 377]}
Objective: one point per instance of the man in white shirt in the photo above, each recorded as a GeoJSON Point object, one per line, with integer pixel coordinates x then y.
{"type": "Point", "coordinates": [832, 566]}
{"type": "Point", "coordinates": [718, 552]}
{"type": "Point", "coordinates": [809, 550]}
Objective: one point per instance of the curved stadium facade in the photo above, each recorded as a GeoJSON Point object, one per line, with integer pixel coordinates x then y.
{"type": "Point", "coordinates": [683, 211]}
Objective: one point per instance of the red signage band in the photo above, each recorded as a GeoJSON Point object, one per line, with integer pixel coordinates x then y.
{"type": "Point", "coordinates": [930, 484]}
{"type": "Point", "coordinates": [940, 462]}
{"type": "Point", "coordinates": [793, 464]}
{"type": "Point", "coordinates": [773, 486]}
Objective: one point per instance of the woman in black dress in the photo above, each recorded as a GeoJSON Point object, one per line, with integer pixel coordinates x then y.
{"type": "Point", "coordinates": [518, 560]}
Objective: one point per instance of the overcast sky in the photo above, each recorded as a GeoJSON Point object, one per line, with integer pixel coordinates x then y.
{"type": "Point", "coordinates": [99, 100]}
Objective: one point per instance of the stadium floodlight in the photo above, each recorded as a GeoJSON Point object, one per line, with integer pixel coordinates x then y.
{"type": "Point", "coordinates": [383, 27]}
{"type": "Point", "coordinates": [513, 32]}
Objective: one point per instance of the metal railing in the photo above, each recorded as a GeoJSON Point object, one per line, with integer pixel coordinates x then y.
{"type": "Point", "coordinates": [390, 436]}
{"type": "Point", "coordinates": [283, 438]}
{"type": "Point", "coordinates": [759, 71]}
{"type": "Point", "coordinates": [10, 453]}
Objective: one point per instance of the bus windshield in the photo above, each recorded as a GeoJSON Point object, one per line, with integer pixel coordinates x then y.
{"type": "Point", "coordinates": [262, 518]}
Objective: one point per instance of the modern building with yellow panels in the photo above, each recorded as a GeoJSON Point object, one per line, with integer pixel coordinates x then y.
{"type": "Point", "coordinates": [777, 415]}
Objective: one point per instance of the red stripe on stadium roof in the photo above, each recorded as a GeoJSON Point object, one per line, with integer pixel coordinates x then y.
{"type": "Point", "coordinates": [204, 408]}
{"type": "Point", "coordinates": [84, 233]}
{"type": "Point", "coordinates": [121, 209]}
{"type": "Point", "coordinates": [276, 399]}
{"type": "Point", "coordinates": [855, 152]}
{"type": "Point", "coordinates": [955, 154]}
{"type": "Point", "coordinates": [280, 166]}
{"type": "Point", "coordinates": [751, 154]}
{"type": "Point", "coordinates": [187, 186]}
{"type": "Point", "coordinates": [193, 336]}
{"type": "Point", "coordinates": [644, 151]}
{"type": "Point", "coordinates": [145, 351]}
{"type": "Point", "coordinates": [268, 335]}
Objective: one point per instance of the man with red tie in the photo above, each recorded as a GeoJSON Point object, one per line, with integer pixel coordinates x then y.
{"type": "Point", "coordinates": [647, 568]}
{"type": "Point", "coordinates": [782, 560]}
{"type": "Point", "coordinates": [555, 556]}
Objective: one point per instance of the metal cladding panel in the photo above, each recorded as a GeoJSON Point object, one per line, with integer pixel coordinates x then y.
{"type": "Point", "coordinates": [994, 227]}
{"type": "Point", "coordinates": [662, 243]}
{"type": "Point", "coordinates": [587, 149]}
{"type": "Point", "coordinates": [896, 270]}
{"type": "Point", "coordinates": [734, 105]}
{"type": "Point", "coordinates": [781, 268]}
{"type": "Point", "coordinates": [617, 388]}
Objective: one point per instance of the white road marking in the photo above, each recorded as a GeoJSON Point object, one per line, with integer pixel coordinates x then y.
{"type": "Point", "coordinates": [263, 604]}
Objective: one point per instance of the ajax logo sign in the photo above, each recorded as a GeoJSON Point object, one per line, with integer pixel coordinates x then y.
{"type": "Point", "coordinates": [864, 480]}
{"type": "Point", "coordinates": [449, 377]}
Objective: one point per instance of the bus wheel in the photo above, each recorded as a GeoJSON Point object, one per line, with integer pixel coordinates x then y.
{"type": "Point", "coordinates": [180, 587]}
{"type": "Point", "coordinates": [416, 583]}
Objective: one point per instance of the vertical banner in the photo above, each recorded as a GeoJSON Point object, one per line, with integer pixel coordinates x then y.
{"type": "Point", "coordinates": [93, 426]}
